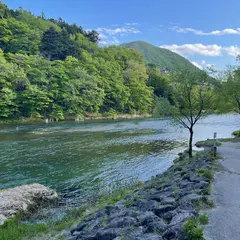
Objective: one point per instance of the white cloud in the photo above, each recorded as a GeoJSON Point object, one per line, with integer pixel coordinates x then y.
{"type": "Point", "coordinates": [232, 51]}
{"type": "Point", "coordinates": [131, 24]}
{"type": "Point", "coordinates": [203, 65]}
{"type": "Point", "coordinates": [111, 41]}
{"type": "Point", "coordinates": [102, 36]}
{"type": "Point", "coordinates": [191, 49]}
{"type": "Point", "coordinates": [205, 50]}
{"type": "Point", "coordinates": [108, 35]}
{"type": "Point", "coordinates": [226, 31]}
{"type": "Point", "coordinates": [118, 31]}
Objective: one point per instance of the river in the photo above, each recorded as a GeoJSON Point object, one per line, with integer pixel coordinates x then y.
{"type": "Point", "coordinates": [83, 158]}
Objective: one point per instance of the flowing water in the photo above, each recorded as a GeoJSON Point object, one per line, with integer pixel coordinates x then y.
{"type": "Point", "coordinates": [80, 159]}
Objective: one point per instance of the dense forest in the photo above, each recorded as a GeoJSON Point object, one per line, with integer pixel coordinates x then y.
{"type": "Point", "coordinates": [51, 69]}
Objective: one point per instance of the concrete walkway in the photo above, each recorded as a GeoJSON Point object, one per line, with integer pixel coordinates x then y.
{"type": "Point", "coordinates": [224, 219]}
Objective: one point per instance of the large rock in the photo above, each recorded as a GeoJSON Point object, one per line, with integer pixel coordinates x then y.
{"type": "Point", "coordinates": [181, 217]}
{"type": "Point", "coordinates": [175, 232]}
{"type": "Point", "coordinates": [191, 198]}
{"type": "Point", "coordinates": [20, 199]}
{"type": "Point", "coordinates": [161, 210]}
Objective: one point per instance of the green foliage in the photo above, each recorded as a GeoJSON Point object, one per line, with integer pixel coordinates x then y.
{"type": "Point", "coordinates": [57, 45]}
{"type": "Point", "coordinates": [191, 94]}
{"type": "Point", "coordinates": [192, 231]}
{"type": "Point", "coordinates": [52, 69]}
{"type": "Point", "coordinates": [205, 173]}
{"type": "Point", "coordinates": [161, 57]}
{"type": "Point", "coordinates": [236, 133]}
{"type": "Point", "coordinates": [208, 143]}
{"type": "Point", "coordinates": [203, 219]}
{"type": "Point", "coordinates": [228, 91]}
{"type": "Point", "coordinates": [13, 229]}
{"type": "Point", "coordinates": [128, 203]}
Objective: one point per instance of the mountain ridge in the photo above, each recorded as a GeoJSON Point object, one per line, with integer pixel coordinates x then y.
{"type": "Point", "coordinates": [161, 57]}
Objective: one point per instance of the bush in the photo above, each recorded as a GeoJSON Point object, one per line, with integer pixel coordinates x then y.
{"type": "Point", "coordinates": [236, 133]}
{"type": "Point", "coordinates": [203, 219]}
{"type": "Point", "coordinates": [192, 231]}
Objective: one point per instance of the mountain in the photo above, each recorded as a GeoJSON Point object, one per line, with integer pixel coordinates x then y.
{"type": "Point", "coordinates": [161, 57]}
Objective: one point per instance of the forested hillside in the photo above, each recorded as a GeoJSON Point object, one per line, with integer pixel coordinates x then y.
{"type": "Point", "coordinates": [161, 57]}
{"type": "Point", "coordinates": [51, 69]}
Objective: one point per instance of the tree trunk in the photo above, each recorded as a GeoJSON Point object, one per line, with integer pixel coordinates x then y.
{"type": "Point", "coordinates": [190, 142]}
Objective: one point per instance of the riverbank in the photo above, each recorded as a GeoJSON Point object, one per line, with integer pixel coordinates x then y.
{"type": "Point", "coordinates": [184, 178]}
{"type": "Point", "coordinates": [86, 118]}
{"type": "Point", "coordinates": [218, 142]}
{"type": "Point", "coordinates": [165, 206]}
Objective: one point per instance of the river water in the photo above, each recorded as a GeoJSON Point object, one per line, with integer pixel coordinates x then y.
{"type": "Point", "coordinates": [84, 158]}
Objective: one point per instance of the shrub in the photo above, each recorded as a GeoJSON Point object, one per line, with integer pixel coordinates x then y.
{"type": "Point", "coordinates": [236, 133]}
{"type": "Point", "coordinates": [203, 219]}
{"type": "Point", "coordinates": [205, 173]}
{"type": "Point", "coordinates": [192, 231]}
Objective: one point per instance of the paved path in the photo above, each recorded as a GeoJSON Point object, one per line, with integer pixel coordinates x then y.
{"type": "Point", "coordinates": [224, 219]}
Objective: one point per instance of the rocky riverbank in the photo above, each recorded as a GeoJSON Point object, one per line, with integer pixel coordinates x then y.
{"type": "Point", "coordinates": [21, 199]}
{"type": "Point", "coordinates": [159, 210]}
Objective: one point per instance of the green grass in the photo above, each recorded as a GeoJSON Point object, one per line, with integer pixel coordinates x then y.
{"type": "Point", "coordinates": [208, 143]}
{"type": "Point", "coordinates": [193, 231]}
{"type": "Point", "coordinates": [15, 230]}
{"type": "Point", "coordinates": [203, 219]}
{"type": "Point", "coordinates": [192, 228]}
{"type": "Point", "coordinates": [205, 173]}
{"type": "Point", "coordinates": [219, 141]}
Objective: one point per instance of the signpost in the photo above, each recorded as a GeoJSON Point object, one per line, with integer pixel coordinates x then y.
{"type": "Point", "coordinates": [215, 145]}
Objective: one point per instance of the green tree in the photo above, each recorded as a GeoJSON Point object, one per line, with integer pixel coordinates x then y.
{"type": "Point", "coordinates": [193, 94]}
{"type": "Point", "coordinates": [141, 96]}
{"type": "Point", "coordinates": [230, 92]}
{"type": "Point", "coordinates": [57, 46]}
{"type": "Point", "coordinates": [7, 95]}
{"type": "Point", "coordinates": [161, 83]}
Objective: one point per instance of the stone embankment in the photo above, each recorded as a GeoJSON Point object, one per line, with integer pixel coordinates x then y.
{"type": "Point", "coordinates": [23, 198]}
{"type": "Point", "coordinates": [158, 210]}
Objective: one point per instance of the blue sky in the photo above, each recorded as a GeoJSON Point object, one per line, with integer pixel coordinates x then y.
{"type": "Point", "coordinates": [204, 31]}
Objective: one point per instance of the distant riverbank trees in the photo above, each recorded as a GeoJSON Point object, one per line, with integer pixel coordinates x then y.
{"type": "Point", "coordinates": [51, 69]}
{"type": "Point", "coordinates": [55, 70]}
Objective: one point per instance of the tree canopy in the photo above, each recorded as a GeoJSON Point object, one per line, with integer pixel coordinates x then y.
{"type": "Point", "coordinates": [192, 95]}
{"type": "Point", "coordinates": [52, 69]}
